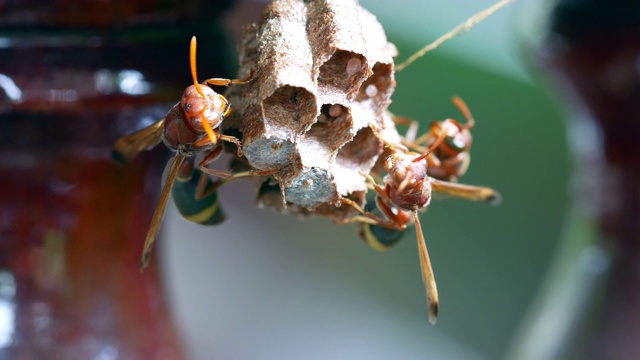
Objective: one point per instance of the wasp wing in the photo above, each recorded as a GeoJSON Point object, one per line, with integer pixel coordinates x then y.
{"type": "Point", "coordinates": [468, 192]}
{"type": "Point", "coordinates": [129, 146]}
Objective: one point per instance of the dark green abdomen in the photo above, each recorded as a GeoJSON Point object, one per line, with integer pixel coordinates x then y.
{"type": "Point", "coordinates": [378, 237]}
{"type": "Point", "coordinates": [205, 211]}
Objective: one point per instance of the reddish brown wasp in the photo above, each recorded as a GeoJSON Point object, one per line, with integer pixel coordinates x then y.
{"type": "Point", "coordinates": [406, 189]}
{"type": "Point", "coordinates": [191, 127]}
{"type": "Point", "coordinates": [451, 159]}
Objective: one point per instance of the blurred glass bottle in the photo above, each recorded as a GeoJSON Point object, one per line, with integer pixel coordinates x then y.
{"type": "Point", "coordinates": [75, 76]}
{"type": "Point", "coordinates": [590, 304]}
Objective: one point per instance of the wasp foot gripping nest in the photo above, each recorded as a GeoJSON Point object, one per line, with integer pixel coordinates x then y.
{"type": "Point", "coordinates": [324, 76]}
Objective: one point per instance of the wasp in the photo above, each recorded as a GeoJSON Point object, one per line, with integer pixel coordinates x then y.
{"type": "Point", "coordinates": [191, 127]}
{"type": "Point", "coordinates": [447, 162]}
{"type": "Point", "coordinates": [451, 159]}
{"type": "Point", "coordinates": [407, 188]}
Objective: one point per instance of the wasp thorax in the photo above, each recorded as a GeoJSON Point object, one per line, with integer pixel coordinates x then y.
{"type": "Point", "coordinates": [176, 133]}
{"type": "Point", "coordinates": [458, 138]}
{"type": "Point", "coordinates": [198, 109]}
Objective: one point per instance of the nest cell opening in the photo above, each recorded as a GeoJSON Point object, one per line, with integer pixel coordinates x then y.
{"type": "Point", "coordinates": [342, 74]}
{"type": "Point", "coordinates": [332, 128]}
{"type": "Point", "coordinates": [361, 152]}
{"type": "Point", "coordinates": [292, 108]}
{"type": "Point", "coordinates": [377, 89]}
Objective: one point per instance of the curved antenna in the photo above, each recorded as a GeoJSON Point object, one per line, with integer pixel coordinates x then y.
{"type": "Point", "coordinates": [435, 145]}
{"type": "Point", "coordinates": [192, 62]}
{"type": "Point", "coordinates": [464, 109]}
{"type": "Point", "coordinates": [194, 75]}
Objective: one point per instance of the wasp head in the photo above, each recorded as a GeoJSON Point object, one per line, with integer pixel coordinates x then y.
{"type": "Point", "coordinates": [202, 106]}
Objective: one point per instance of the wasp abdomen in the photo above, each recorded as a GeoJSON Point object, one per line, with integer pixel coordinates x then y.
{"type": "Point", "coordinates": [204, 210]}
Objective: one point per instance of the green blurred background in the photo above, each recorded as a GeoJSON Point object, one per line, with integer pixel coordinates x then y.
{"type": "Point", "coordinates": [267, 286]}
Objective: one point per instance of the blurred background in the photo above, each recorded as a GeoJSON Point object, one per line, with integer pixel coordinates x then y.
{"type": "Point", "coordinates": [528, 279]}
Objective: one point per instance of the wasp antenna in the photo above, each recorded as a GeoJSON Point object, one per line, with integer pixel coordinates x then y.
{"type": "Point", "coordinates": [192, 62]}
{"type": "Point", "coordinates": [435, 145]}
{"type": "Point", "coordinates": [464, 109]}
{"type": "Point", "coordinates": [194, 75]}
{"type": "Point", "coordinates": [406, 181]}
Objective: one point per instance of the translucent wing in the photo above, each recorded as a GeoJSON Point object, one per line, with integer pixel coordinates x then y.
{"type": "Point", "coordinates": [468, 192]}
{"type": "Point", "coordinates": [156, 221]}
{"type": "Point", "coordinates": [129, 146]}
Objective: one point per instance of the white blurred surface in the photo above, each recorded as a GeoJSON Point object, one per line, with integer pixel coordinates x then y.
{"type": "Point", "coordinates": [267, 286]}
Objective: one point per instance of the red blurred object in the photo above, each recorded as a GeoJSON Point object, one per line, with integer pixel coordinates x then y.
{"type": "Point", "coordinates": [74, 77]}
{"type": "Point", "coordinates": [71, 225]}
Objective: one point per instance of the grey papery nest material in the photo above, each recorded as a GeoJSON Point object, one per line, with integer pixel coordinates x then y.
{"type": "Point", "coordinates": [324, 76]}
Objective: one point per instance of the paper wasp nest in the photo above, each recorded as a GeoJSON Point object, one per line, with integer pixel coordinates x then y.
{"type": "Point", "coordinates": [323, 77]}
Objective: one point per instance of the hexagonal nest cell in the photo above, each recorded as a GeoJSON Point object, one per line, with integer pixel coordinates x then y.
{"type": "Point", "coordinates": [323, 80]}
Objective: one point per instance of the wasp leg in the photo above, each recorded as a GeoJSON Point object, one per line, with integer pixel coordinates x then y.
{"type": "Point", "coordinates": [204, 189]}
{"type": "Point", "coordinates": [396, 147]}
{"type": "Point", "coordinates": [227, 82]}
{"type": "Point", "coordinates": [377, 232]}
{"type": "Point", "coordinates": [412, 131]}
{"type": "Point", "coordinates": [353, 205]}
{"type": "Point", "coordinates": [212, 156]}
{"type": "Point", "coordinates": [379, 238]}
{"type": "Point", "coordinates": [205, 141]}
{"type": "Point", "coordinates": [411, 139]}
{"type": "Point", "coordinates": [418, 143]}
{"type": "Point", "coordinates": [373, 219]}
{"type": "Point", "coordinates": [233, 139]}
{"type": "Point", "coordinates": [379, 189]}
{"type": "Point", "coordinates": [365, 217]}
{"type": "Point", "coordinates": [414, 143]}
{"type": "Point", "coordinates": [254, 173]}
{"type": "Point", "coordinates": [398, 217]}
{"type": "Point", "coordinates": [360, 219]}
{"type": "Point", "coordinates": [228, 176]}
